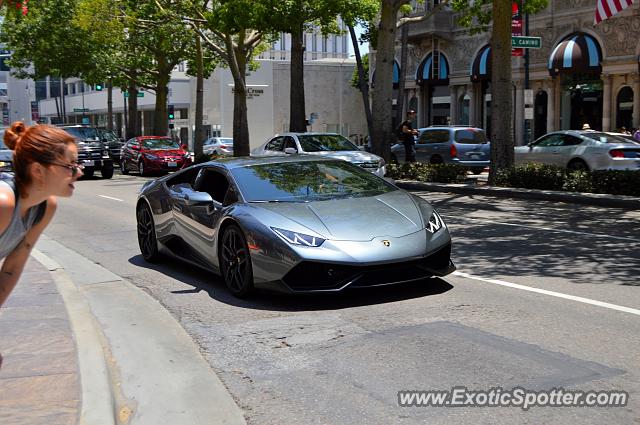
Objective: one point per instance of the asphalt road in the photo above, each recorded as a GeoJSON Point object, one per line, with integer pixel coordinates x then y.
{"type": "Point", "coordinates": [546, 296]}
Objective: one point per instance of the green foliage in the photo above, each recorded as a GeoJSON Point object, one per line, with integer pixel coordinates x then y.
{"type": "Point", "coordinates": [548, 177]}
{"type": "Point", "coordinates": [355, 80]}
{"type": "Point", "coordinates": [437, 173]}
{"type": "Point", "coordinates": [476, 14]}
{"type": "Point", "coordinates": [532, 176]}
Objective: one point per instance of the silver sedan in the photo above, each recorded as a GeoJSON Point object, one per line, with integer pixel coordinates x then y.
{"type": "Point", "coordinates": [581, 150]}
{"type": "Point", "coordinates": [218, 146]}
{"type": "Point", "coordinates": [328, 145]}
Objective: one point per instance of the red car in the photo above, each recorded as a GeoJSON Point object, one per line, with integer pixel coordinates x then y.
{"type": "Point", "coordinates": [153, 154]}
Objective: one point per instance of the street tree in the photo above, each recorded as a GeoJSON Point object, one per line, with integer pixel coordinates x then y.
{"type": "Point", "coordinates": [235, 30]}
{"type": "Point", "coordinates": [296, 17]}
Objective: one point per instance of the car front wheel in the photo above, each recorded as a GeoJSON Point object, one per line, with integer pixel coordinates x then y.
{"type": "Point", "coordinates": [578, 165]}
{"type": "Point", "coordinates": [147, 234]}
{"type": "Point", "coordinates": [123, 167]}
{"type": "Point", "coordinates": [235, 262]}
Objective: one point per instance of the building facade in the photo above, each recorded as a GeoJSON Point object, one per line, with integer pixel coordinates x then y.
{"type": "Point", "coordinates": [581, 74]}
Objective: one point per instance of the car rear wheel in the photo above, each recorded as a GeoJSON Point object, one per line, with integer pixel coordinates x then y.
{"type": "Point", "coordinates": [88, 172]}
{"type": "Point", "coordinates": [235, 262]}
{"type": "Point", "coordinates": [107, 173]}
{"type": "Point", "coordinates": [435, 159]}
{"type": "Point", "coordinates": [147, 234]}
{"type": "Point", "coordinates": [123, 167]}
{"type": "Point", "coordinates": [578, 165]}
{"type": "Point", "coordinates": [477, 171]}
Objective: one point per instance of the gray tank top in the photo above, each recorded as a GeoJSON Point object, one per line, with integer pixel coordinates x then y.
{"type": "Point", "coordinates": [18, 226]}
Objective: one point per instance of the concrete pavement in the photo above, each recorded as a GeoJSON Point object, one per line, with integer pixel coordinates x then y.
{"type": "Point", "coordinates": [81, 345]}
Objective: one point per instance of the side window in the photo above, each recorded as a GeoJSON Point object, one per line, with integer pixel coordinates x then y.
{"type": "Point", "coordinates": [434, 136]}
{"type": "Point", "coordinates": [289, 143]}
{"type": "Point", "coordinates": [185, 177]}
{"type": "Point", "coordinates": [275, 145]}
{"type": "Point", "coordinates": [568, 140]}
{"type": "Point", "coordinates": [213, 182]}
{"type": "Point", "coordinates": [550, 140]}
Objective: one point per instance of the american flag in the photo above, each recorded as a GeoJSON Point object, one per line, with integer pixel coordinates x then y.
{"type": "Point", "coordinates": [607, 8]}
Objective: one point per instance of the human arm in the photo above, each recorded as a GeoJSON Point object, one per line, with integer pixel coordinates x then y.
{"type": "Point", "coordinates": [14, 263]}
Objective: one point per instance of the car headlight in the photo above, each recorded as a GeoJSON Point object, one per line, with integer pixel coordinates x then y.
{"type": "Point", "coordinates": [435, 223]}
{"type": "Point", "coordinates": [150, 156]}
{"type": "Point", "coordinates": [295, 238]}
{"type": "Point", "coordinates": [187, 155]}
{"type": "Point", "coordinates": [5, 166]}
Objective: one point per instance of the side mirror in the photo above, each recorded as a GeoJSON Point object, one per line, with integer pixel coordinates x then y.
{"type": "Point", "coordinates": [290, 151]}
{"type": "Point", "coordinates": [135, 147]}
{"type": "Point", "coordinates": [198, 198]}
{"type": "Point", "coordinates": [184, 147]}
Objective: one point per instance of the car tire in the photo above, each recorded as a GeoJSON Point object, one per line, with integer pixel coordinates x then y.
{"type": "Point", "coordinates": [107, 173]}
{"type": "Point", "coordinates": [88, 172]}
{"type": "Point", "coordinates": [147, 233]}
{"type": "Point", "coordinates": [477, 171]}
{"type": "Point", "coordinates": [141, 169]}
{"type": "Point", "coordinates": [436, 159]}
{"type": "Point", "coordinates": [235, 262]}
{"type": "Point", "coordinates": [577, 165]}
{"type": "Point", "coordinates": [123, 167]}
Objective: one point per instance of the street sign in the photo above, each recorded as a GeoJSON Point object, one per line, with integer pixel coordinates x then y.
{"type": "Point", "coordinates": [528, 113]}
{"type": "Point", "coordinates": [525, 42]}
{"type": "Point", "coordinates": [80, 110]}
{"type": "Point", "coordinates": [140, 94]}
{"type": "Point", "coordinates": [528, 97]}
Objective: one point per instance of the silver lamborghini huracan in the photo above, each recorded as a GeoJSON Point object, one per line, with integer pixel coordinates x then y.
{"type": "Point", "coordinates": [296, 224]}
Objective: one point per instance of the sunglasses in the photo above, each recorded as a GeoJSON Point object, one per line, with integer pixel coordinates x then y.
{"type": "Point", "coordinates": [75, 168]}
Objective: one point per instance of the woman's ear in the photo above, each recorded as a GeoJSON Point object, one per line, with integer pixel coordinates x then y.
{"type": "Point", "coordinates": [38, 174]}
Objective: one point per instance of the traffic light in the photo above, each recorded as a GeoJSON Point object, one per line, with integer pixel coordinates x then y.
{"type": "Point", "coordinates": [171, 111]}
{"type": "Point", "coordinates": [98, 87]}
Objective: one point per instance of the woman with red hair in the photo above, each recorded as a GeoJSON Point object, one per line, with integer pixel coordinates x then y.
{"type": "Point", "coordinates": [45, 166]}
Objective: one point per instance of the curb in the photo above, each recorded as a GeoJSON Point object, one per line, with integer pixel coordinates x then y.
{"type": "Point", "coordinates": [596, 199]}
{"type": "Point", "coordinates": [137, 364]}
{"type": "Point", "coordinates": [97, 401]}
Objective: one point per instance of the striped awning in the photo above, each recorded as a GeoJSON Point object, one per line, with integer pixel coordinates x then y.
{"type": "Point", "coordinates": [427, 73]}
{"type": "Point", "coordinates": [396, 75]}
{"type": "Point", "coordinates": [577, 53]}
{"type": "Point", "coordinates": [481, 65]}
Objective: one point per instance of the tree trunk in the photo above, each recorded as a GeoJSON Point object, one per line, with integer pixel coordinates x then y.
{"type": "Point", "coordinates": [297, 114]}
{"type": "Point", "coordinates": [241, 145]}
{"type": "Point", "coordinates": [161, 119]}
{"type": "Point", "coordinates": [199, 136]}
{"type": "Point", "coordinates": [132, 100]}
{"type": "Point", "coordinates": [382, 136]}
{"type": "Point", "coordinates": [404, 38]}
{"type": "Point", "coordinates": [502, 143]}
{"type": "Point", "coordinates": [363, 80]}
{"type": "Point", "coordinates": [109, 105]}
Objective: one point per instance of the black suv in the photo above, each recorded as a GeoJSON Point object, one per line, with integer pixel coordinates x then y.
{"type": "Point", "coordinates": [93, 152]}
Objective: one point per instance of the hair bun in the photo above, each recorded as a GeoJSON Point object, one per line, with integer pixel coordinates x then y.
{"type": "Point", "coordinates": [12, 135]}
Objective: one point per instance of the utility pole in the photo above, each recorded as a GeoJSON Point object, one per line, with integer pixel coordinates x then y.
{"type": "Point", "coordinates": [527, 127]}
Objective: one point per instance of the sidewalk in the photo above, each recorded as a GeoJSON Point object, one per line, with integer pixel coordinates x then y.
{"type": "Point", "coordinates": [39, 379]}
{"type": "Point", "coordinates": [83, 346]}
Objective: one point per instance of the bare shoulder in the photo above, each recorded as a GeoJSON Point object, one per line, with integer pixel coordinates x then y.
{"type": "Point", "coordinates": [7, 206]}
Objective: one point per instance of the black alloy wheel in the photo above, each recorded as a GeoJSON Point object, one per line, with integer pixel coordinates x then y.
{"type": "Point", "coordinates": [235, 262]}
{"type": "Point", "coordinates": [147, 234]}
{"type": "Point", "coordinates": [123, 167]}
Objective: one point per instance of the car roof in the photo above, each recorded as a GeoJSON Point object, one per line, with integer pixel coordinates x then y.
{"type": "Point", "coordinates": [244, 161]}
{"type": "Point", "coordinates": [152, 137]}
{"type": "Point", "coordinates": [310, 133]}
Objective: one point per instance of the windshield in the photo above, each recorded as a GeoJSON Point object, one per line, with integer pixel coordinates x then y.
{"type": "Point", "coordinates": [82, 133]}
{"type": "Point", "coordinates": [110, 135]}
{"type": "Point", "coordinates": [160, 144]}
{"type": "Point", "coordinates": [325, 142]}
{"type": "Point", "coordinates": [471, 136]}
{"type": "Point", "coordinates": [221, 140]}
{"type": "Point", "coordinates": [606, 138]}
{"type": "Point", "coordinates": [307, 181]}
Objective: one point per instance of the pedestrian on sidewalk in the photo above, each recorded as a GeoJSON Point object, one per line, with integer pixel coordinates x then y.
{"type": "Point", "coordinates": [407, 136]}
{"type": "Point", "coordinates": [45, 165]}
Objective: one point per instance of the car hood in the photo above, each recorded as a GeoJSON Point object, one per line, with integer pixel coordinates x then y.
{"type": "Point", "coordinates": [165, 152]}
{"type": "Point", "coordinates": [351, 156]}
{"type": "Point", "coordinates": [391, 214]}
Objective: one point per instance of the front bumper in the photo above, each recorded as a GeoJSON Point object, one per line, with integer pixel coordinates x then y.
{"type": "Point", "coordinates": [311, 276]}
{"type": "Point", "coordinates": [162, 165]}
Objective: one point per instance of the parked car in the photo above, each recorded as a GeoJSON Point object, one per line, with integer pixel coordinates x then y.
{"type": "Point", "coordinates": [625, 136]}
{"type": "Point", "coordinates": [93, 153]}
{"type": "Point", "coordinates": [581, 150]}
{"type": "Point", "coordinates": [463, 145]}
{"type": "Point", "coordinates": [153, 154]}
{"type": "Point", "coordinates": [113, 142]}
{"type": "Point", "coordinates": [330, 145]}
{"type": "Point", "coordinates": [218, 146]}
{"type": "Point", "coordinates": [299, 223]}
